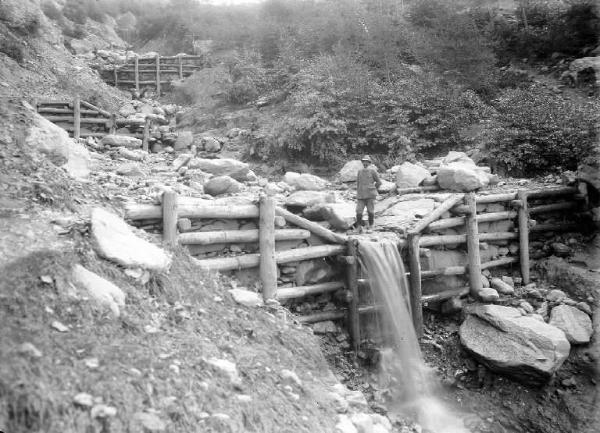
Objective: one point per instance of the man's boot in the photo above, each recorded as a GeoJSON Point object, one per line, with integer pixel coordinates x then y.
{"type": "Point", "coordinates": [359, 223]}
{"type": "Point", "coordinates": [371, 222]}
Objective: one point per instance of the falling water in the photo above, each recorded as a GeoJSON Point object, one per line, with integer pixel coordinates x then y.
{"type": "Point", "coordinates": [402, 367]}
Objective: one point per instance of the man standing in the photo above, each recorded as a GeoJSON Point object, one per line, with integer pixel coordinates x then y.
{"type": "Point", "coordinates": [367, 182]}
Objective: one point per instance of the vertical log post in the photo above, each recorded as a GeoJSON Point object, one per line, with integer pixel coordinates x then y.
{"type": "Point", "coordinates": [180, 64]}
{"type": "Point", "coordinates": [116, 76]}
{"type": "Point", "coordinates": [415, 283]}
{"type": "Point", "coordinates": [352, 284]}
{"type": "Point", "coordinates": [76, 118]}
{"type": "Point", "coordinates": [169, 209]}
{"type": "Point", "coordinates": [112, 124]}
{"type": "Point", "coordinates": [523, 235]}
{"type": "Point", "coordinates": [136, 67]}
{"type": "Point", "coordinates": [158, 75]}
{"type": "Point", "coordinates": [146, 135]}
{"type": "Point", "coordinates": [266, 243]}
{"type": "Point", "coordinates": [475, 282]}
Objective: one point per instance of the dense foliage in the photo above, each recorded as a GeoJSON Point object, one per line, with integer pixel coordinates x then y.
{"type": "Point", "coordinates": [395, 79]}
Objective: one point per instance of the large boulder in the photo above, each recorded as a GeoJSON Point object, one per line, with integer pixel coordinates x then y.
{"type": "Point", "coordinates": [394, 213]}
{"type": "Point", "coordinates": [184, 140]}
{"type": "Point", "coordinates": [302, 199]}
{"type": "Point", "coordinates": [304, 181]}
{"type": "Point", "coordinates": [454, 156]}
{"type": "Point", "coordinates": [519, 346]}
{"type": "Point", "coordinates": [54, 142]}
{"type": "Point", "coordinates": [102, 291]}
{"type": "Point", "coordinates": [409, 175]}
{"type": "Point", "coordinates": [349, 171]}
{"type": "Point", "coordinates": [340, 216]}
{"type": "Point", "coordinates": [462, 176]}
{"type": "Point", "coordinates": [222, 185]}
{"type": "Point", "coordinates": [313, 272]}
{"type": "Point", "coordinates": [115, 240]}
{"type": "Point", "coordinates": [576, 324]}
{"type": "Point", "coordinates": [222, 167]}
{"type": "Point", "coordinates": [114, 140]}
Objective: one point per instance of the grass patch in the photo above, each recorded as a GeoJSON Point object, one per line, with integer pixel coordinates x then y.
{"type": "Point", "coordinates": [191, 318]}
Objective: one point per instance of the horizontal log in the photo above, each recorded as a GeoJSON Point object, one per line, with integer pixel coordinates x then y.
{"type": "Point", "coordinates": [48, 103]}
{"type": "Point", "coordinates": [192, 208]}
{"type": "Point", "coordinates": [450, 270]}
{"type": "Point", "coordinates": [253, 260]}
{"type": "Point", "coordinates": [427, 241]}
{"type": "Point", "coordinates": [141, 83]}
{"type": "Point", "coordinates": [336, 314]}
{"type": "Point", "coordinates": [65, 111]}
{"type": "Point", "coordinates": [315, 228]}
{"type": "Point", "coordinates": [445, 206]}
{"type": "Point", "coordinates": [93, 107]}
{"type": "Point", "coordinates": [83, 120]}
{"type": "Point", "coordinates": [553, 207]}
{"type": "Point", "coordinates": [446, 294]}
{"type": "Point", "coordinates": [237, 236]}
{"type": "Point", "coordinates": [417, 189]}
{"type": "Point", "coordinates": [174, 68]}
{"type": "Point", "coordinates": [302, 291]}
{"type": "Point", "coordinates": [460, 221]}
{"type": "Point", "coordinates": [552, 192]}
{"type": "Point", "coordinates": [495, 198]}
{"type": "Point", "coordinates": [499, 262]}
{"type": "Point", "coordinates": [555, 227]}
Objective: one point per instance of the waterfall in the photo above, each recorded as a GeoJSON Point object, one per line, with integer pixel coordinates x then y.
{"type": "Point", "coordinates": [411, 382]}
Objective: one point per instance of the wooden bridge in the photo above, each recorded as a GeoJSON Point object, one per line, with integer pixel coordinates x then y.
{"type": "Point", "coordinates": [156, 72]}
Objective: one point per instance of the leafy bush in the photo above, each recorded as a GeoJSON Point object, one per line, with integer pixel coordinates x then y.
{"type": "Point", "coordinates": [542, 29]}
{"type": "Point", "coordinates": [12, 49]}
{"type": "Point", "coordinates": [536, 131]}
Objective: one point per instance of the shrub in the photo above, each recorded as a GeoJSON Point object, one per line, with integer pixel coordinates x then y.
{"type": "Point", "coordinates": [12, 49]}
{"type": "Point", "coordinates": [536, 131]}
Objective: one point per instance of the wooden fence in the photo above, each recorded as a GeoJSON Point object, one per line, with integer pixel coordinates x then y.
{"type": "Point", "coordinates": [464, 206]}
{"type": "Point", "coordinates": [82, 119]}
{"type": "Point", "coordinates": [156, 71]}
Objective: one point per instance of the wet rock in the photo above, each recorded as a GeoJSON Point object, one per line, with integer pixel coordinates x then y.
{"type": "Point", "coordinates": [460, 176]}
{"type": "Point", "coordinates": [130, 169]}
{"type": "Point", "coordinates": [502, 287]}
{"type": "Point", "coordinates": [184, 140]}
{"type": "Point", "coordinates": [290, 378]}
{"type": "Point", "coordinates": [115, 240]}
{"type": "Point", "coordinates": [246, 297]}
{"type": "Point", "coordinates": [393, 213]}
{"type": "Point", "coordinates": [103, 411]}
{"type": "Point", "coordinates": [181, 161]}
{"type": "Point", "coordinates": [305, 181]}
{"type": "Point", "coordinates": [584, 306]}
{"type": "Point", "coordinates": [30, 350]}
{"type": "Point", "coordinates": [452, 305]}
{"type": "Point", "coordinates": [222, 167]}
{"type": "Point", "coordinates": [211, 144]}
{"type": "Point", "coordinates": [325, 327]}
{"type": "Point", "coordinates": [127, 141]}
{"type": "Point", "coordinates": [150, 422]}
{"type": "Point", "coordinates": [313, 272]}
{"type": "Point", "coordinates": [560, 250]}
{"type": "Point", "coordinates": [345, 425]}
{"type": "Point", "coordinates": [222, 185]}
{"type": "Point", "coordinates": [556, 295]}
{"type": "Point", "coordinates": [54, 142]}
{"type": "Point", "coordinates": [527, 307]}
{"type": "Point", "coordinates": [102, 291]}
{"type": "Point", "coordinates": [362, 422]}
{"type": "Point", "coordinates": [410, 175]}
{"type": "Point", "coordinates": [227, 368]}
{"type": "Point", "coordinates": [302, 199]}
{"type": "Point", "coordinates": [340, 216]}
{"type": "Point", "coordinates": [507, 342]}
{"type": "Point", "coordinates": [488, 295]}
{"type": "Point", "coordinates": [133, 155]}
{"type": "Point", "coordinates": [576, 324]}
{"type": "Point", "coordinates": [83, 399]}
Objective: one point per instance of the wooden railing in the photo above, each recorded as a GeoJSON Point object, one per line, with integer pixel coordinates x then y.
{"type": "Point", "coordinates": [155, 71]}
{"type": "Point", "coordinates": [345, 248]}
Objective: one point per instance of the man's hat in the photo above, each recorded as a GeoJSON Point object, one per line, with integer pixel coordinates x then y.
{"type": "Point", "coordinates": [366, 158]}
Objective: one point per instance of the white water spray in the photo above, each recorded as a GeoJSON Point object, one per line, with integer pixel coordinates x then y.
{"type": "Point", "coordinates": [402, 368]}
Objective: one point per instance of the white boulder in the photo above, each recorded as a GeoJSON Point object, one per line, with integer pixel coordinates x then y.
{"type": "Point", "coordinates": [102, 291]}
